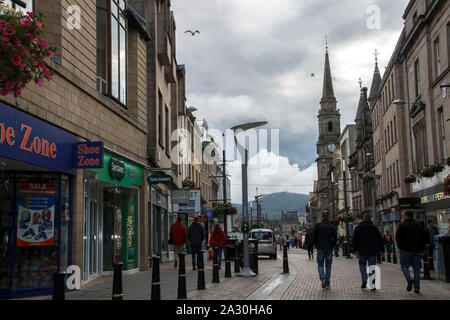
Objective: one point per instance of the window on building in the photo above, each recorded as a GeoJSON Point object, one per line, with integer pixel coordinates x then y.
{"type": "Point", "coordinates": [167, 131]}
{"type": "Point", "coordinates": [112, 49]}
{"type": "Point", "coordinates": [437, 57]}
{"type": "Point", "coordinates": [160, 118]}
{"type": "Point", "coordinates": [415, 18]}
{"type": "Point", "coordinates": [29, 5]}
{"type": "Point", "coordinates": [420, 141]}
{"type": "Point", "coordinates": [398, 174]}
{"type": "Point", "coordinates": [395, 128]}
{"type": "Point", "coordinates": [442, 133]}
{"type": "Point", "coordinates": [448, 43]}
{"type": "Point", "coordinates": [393, 87]}
{"type": "Point", "coordinates": [417, 77]}
{"type": "Point", "coordinates": [330, 126]}
{"type": "Point", "coordinates": [392, 134]}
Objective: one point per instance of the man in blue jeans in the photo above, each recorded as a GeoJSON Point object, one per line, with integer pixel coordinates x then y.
{"type": "Point", "coordinates": [325, 238]}
{"type": "Point", "coordinates": [367, 243]}
{"type": "Point", "coordinates": [411, 239]}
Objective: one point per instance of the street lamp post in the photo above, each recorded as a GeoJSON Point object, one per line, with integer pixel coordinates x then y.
{"type": "Point", "coordinates": [246, 271]}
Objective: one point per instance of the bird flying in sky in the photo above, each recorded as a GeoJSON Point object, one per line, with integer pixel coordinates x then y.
{"type": "Point", "coordinates": [192, 32]}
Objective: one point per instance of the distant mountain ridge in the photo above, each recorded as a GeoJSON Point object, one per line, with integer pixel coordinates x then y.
{"type": "Point", "coordinates": [274, 203]}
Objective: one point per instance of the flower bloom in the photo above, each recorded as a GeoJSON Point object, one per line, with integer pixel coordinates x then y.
{"type": "Point", "coordinates": [25, 21]}
{"type": "Point", "coordinates": [16, 60]}
{"type": "Point", "coordinates": [39, 25]}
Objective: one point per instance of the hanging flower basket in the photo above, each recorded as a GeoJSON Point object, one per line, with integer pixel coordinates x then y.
{"type": "Point", "coordinates": [446, 186]}
{"type": "Point", "coordinates": [438, 167]}
{"type": "Point", "coordinates": [346, 217]}
{"type": "Point", "coordinates": [222, 209]}
{"type": "Point", "coordinates": [411, 179]}
{"type": "Point", "coordinates": [188, 184]}
{"type": "Point", "coordinates": [428, 172]}
{"type": "Point", "coordinates": [22, 51]}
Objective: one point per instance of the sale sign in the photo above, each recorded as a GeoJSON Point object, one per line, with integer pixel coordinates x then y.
{"type": "Point", "coordinates": [36, 210]}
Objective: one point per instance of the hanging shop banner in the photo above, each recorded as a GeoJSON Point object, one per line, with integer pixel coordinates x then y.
{"type": "Point", "coordinates": [119, 171]}
{"type": "Point", "coordinates": [25, 138]}
{"type": "Point", "coordinates": [89, 155]}
{"type": "Point", "coordinates": [190, 206]}
{"type": "Point", "coordinates": [36, 212]}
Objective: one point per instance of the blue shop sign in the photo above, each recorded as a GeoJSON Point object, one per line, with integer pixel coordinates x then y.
{"type": "Point", "coordinates": [89, 155]}
{"type": "Point", "coordinates": [392, 216]}
{"type": "Point", "coordinates": [208, 212]}
{"type": "Point", "coordinates": [27, 139]}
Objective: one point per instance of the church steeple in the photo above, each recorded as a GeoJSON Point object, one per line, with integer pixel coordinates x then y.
{"type": "Point", "coordinates": [376, 81]}
{"type": "Point", "coordinates": [328, 91]}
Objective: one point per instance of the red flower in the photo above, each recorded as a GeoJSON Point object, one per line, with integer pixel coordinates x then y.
{"type": "Point", "coordinates": [25, 21]}
{"type": "Point", "coordinates": [9, 85]}
{"type": "Point", "coordinates": [16, 60]}
{"type": "Point", "coordinates": [39, 25]}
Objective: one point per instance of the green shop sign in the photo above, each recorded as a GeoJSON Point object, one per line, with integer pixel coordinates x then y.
{"type": "Point", "coordinates": [119, 171]}
{"type": "Point", "coordinates": [160, 178]}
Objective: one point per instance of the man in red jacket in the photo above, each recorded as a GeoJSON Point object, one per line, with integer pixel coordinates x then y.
{"type": "Point", "coordinates": [178, 234]}
{"type": "Point", "coordinates": [218, 240]}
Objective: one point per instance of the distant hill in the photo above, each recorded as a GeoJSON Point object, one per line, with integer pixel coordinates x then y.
{"type": "Point", "coordinates": [274, 203]}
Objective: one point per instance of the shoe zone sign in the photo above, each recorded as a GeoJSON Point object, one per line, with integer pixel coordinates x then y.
{"type": "Point", "coordinates": [89, 155]}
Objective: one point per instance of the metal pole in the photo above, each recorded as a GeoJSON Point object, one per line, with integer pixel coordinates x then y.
{"type": "Point", "coordinates": [246, 271]}
{"type": "Point", "coordinates": [225, 223]}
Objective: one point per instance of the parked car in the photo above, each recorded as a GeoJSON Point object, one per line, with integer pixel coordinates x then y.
{"type": "Point", "coordinates": [267, 244]}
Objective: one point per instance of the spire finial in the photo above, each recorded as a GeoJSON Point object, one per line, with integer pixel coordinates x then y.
{"type": "Point", "coordinates": [376, 54]}
{"type": "Point", "coordinates": [326, 43]}
{"type": "Point", "coordinates": [360, 83]}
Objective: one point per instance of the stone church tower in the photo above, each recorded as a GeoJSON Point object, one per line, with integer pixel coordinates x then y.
{"type": "Point", "coordinates": [329, 119]}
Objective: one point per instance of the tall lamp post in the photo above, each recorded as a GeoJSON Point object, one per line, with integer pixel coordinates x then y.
{"type": "Point", "coordinates": [246, 271]}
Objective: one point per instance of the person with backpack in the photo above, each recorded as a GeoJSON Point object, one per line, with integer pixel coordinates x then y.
{"type": "Point", "coordinates": [367, 244]}
{"type": "Point", "coordinates": [178, 236]}
{"type": "Point", "coordinates": [325, 237]}
{"type": "Point", "coordinates": [196, 235]}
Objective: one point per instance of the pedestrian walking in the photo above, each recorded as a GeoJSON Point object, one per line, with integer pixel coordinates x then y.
{"type": "Point", "coordinates": [367, 244]}
{"type": "Point", "coordinates": [309, 239]}
{"type": "Point", "coordinates": [178, 234]}
{"type": "Point", "coordinates": [411, 241]}
{"type": "Point", "coordinates": [432, 231]}
{"type": "Point", "coordinates": [325, 237]}
{"type": "Point", "coordinates": [218, 240]}
{"type": "Point", "coordinates": [388, 242]}
{"type": "Point", "coordinates": [196, 235]}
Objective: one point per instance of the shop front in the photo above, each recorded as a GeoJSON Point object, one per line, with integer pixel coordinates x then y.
{"type": "Point", "coordinates": [36, 174]}
{"type": "Point", "coordinates": [435, 206]}
{"type": "Point", "coordinates": [110, 216]}
{"type": "Point", "coordinates": [161, 221]}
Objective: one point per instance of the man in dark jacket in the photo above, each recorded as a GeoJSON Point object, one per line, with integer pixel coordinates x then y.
{"type": "Point", "coordinates": [196, 235]}
{"type": "Point", "coordinates": [411, 241]}
{"type": "Point", "coordinates": [367, 243]}
{"type": "Point", "coordinates": [309, 239]}
{"type": "Point", "coordinates": [325, 237]}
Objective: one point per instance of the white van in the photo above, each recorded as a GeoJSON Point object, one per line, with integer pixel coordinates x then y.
{"type": "Point", "coordinates": [267, 244]}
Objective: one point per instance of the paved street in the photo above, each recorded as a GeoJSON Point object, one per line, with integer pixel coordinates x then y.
{"type": "Point", "coordinates": [270, 284]}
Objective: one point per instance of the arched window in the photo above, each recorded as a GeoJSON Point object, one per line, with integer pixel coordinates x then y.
{"type": "Point", "coordinates": [330, 126]}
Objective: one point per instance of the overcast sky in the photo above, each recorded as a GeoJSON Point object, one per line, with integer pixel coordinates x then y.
{"type": "Point", "coordinates": [253, 60]}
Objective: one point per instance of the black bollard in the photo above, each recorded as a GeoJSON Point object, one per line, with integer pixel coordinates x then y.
{"type": "Point", "coordinates": [237, 259]}
{"type": "Point", "coordinates": [285, 260]}
{"type": "Point", "coordinates": [156, 284]}
{"type": "Point", "coordinates": [201, 271]}
{"type": "Point", "coordinates": [215, 278]}
{"type": "Point", "coordinates": [394, 255]}
{"type": "Point", "coordinates": [227, 261]}
{"type": "Point", "coordinates": [430, 257]}
{"type": "Point", "coordinates": [117, 293]}
{"type": "Point", "coordinates": [426, 269]}
{"type": "Point", "coordinates": [182, 277]}
{"type": "Point", "coordinates": [59, 286]}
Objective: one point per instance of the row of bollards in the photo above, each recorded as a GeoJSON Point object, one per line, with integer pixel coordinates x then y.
{"type": "Point", "coordinates": [232, 252]}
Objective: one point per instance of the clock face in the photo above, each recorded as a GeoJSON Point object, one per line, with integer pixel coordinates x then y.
{"type": "Point", "coordinates": [331, 147]}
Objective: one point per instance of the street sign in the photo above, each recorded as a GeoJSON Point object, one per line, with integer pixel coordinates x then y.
{"type": "Point", "coordinates": [192, 205]}
{"type": "Point", "coordinates": [160, 178]}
